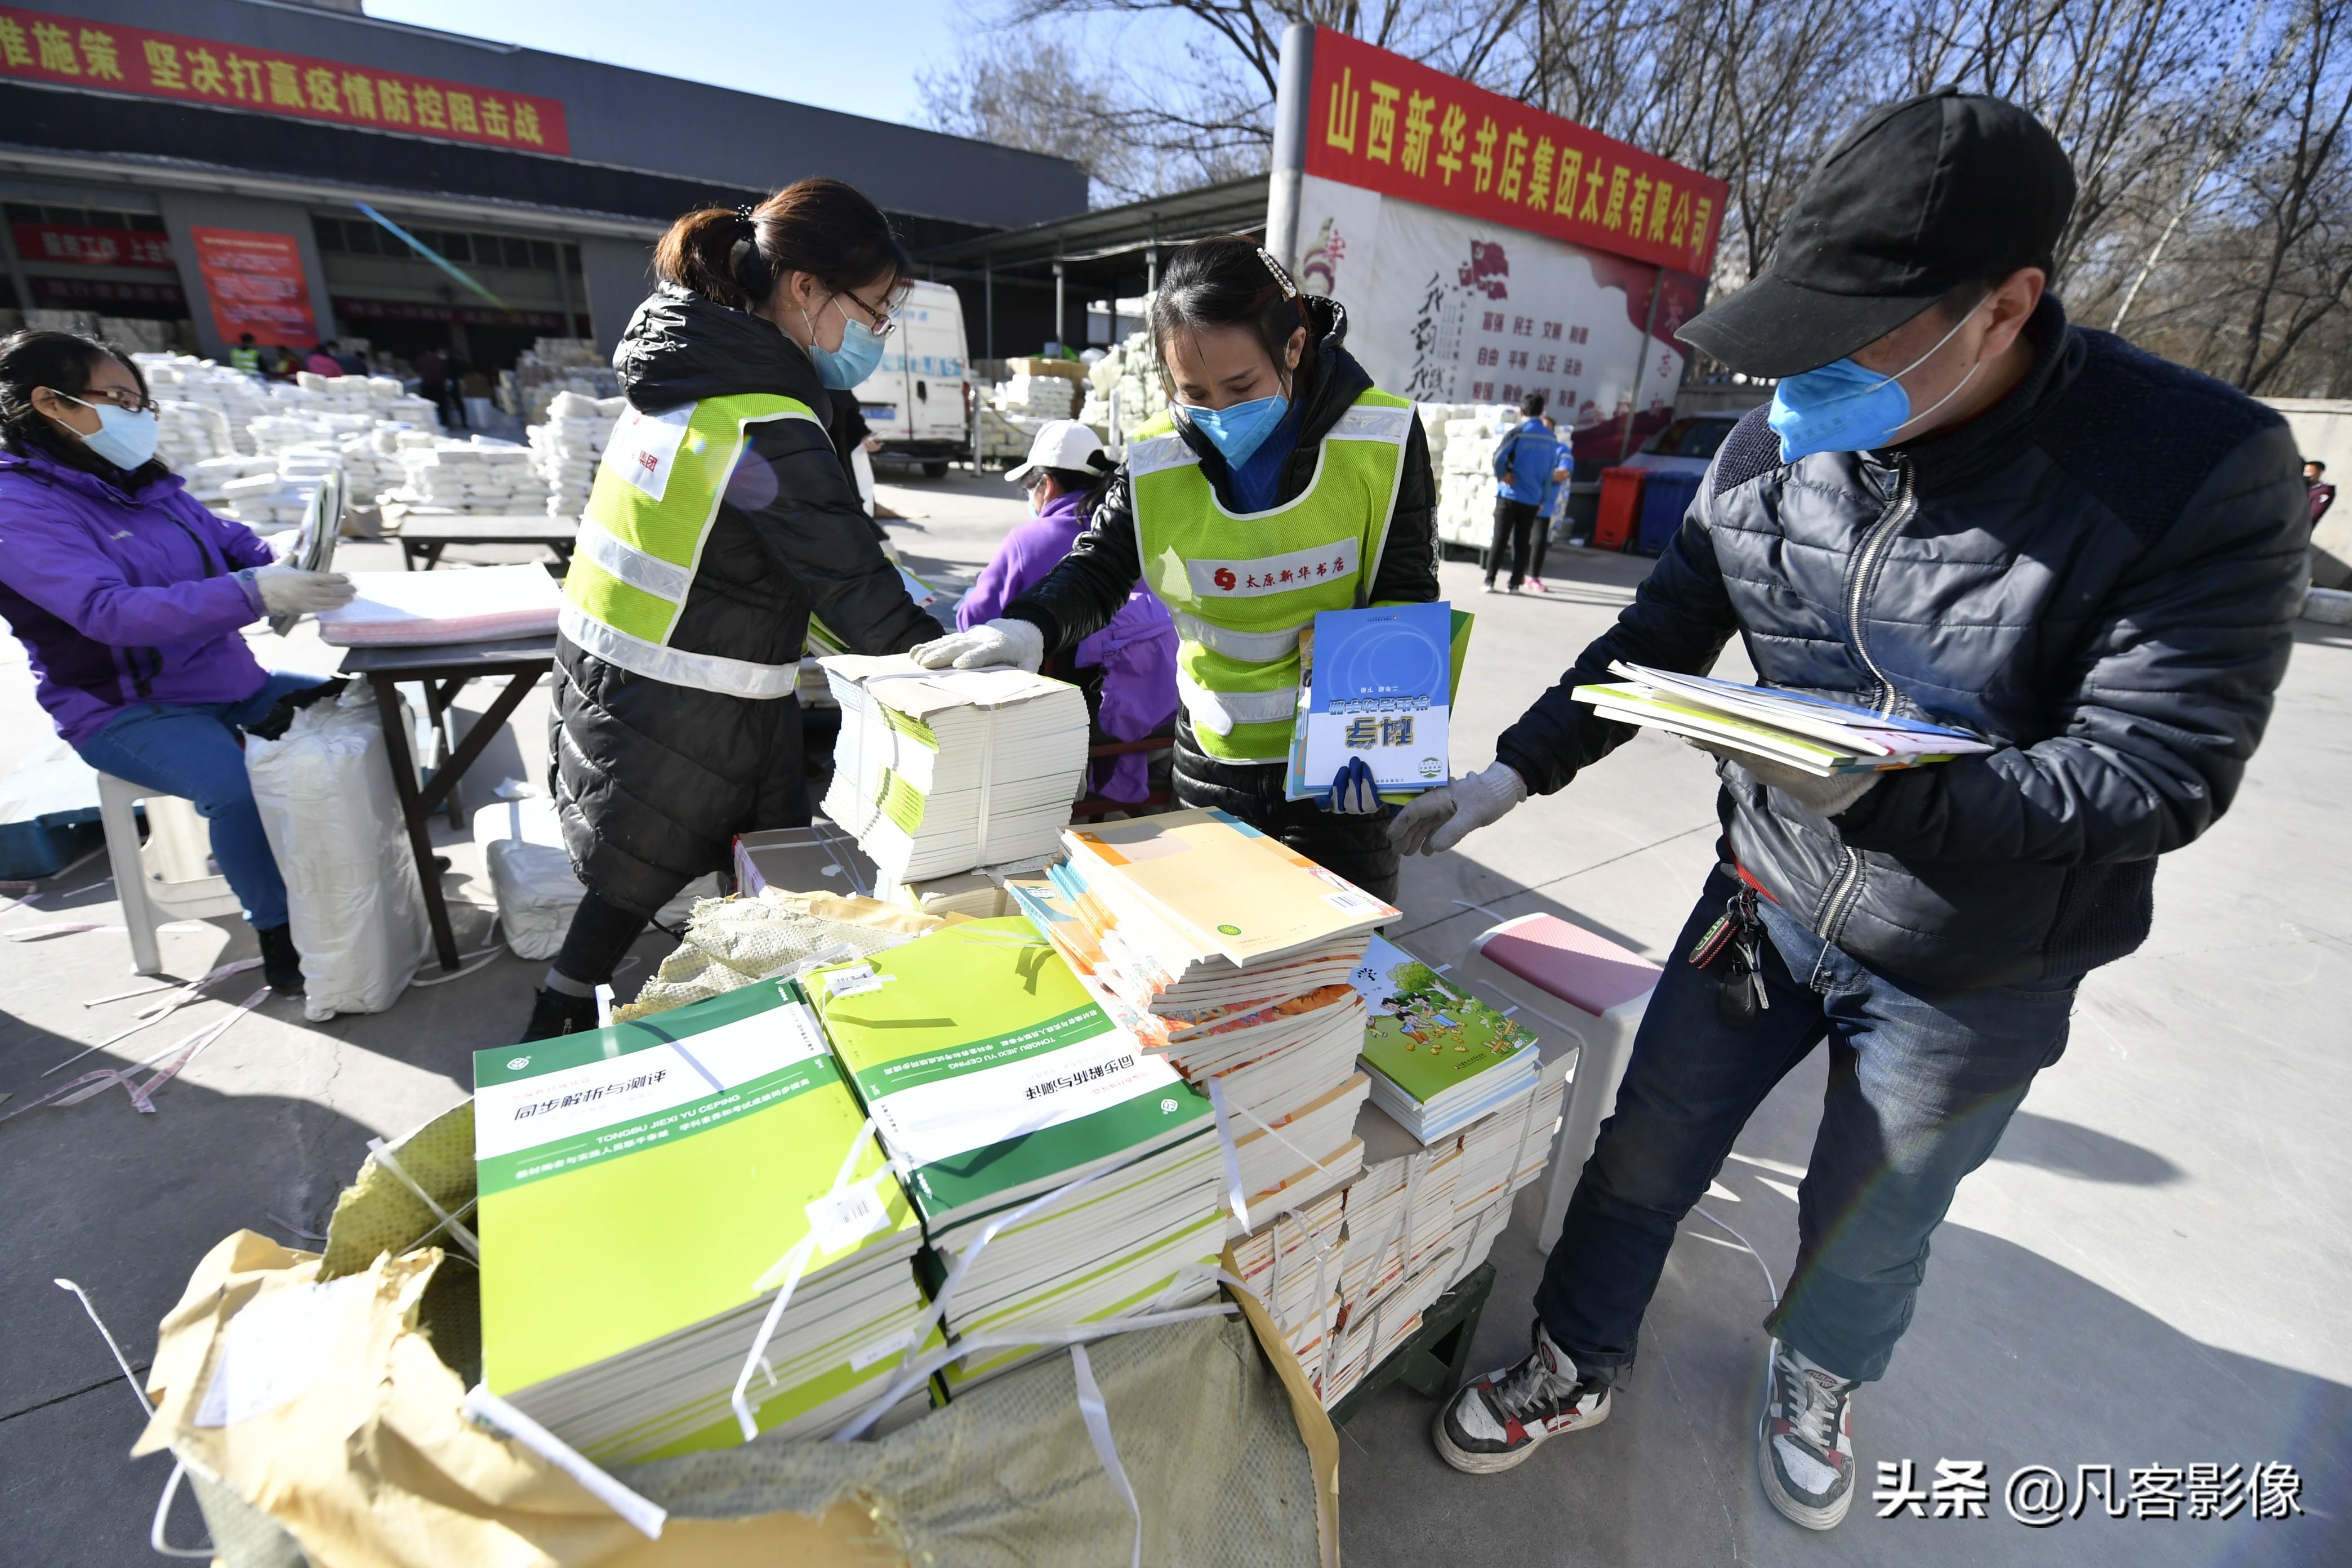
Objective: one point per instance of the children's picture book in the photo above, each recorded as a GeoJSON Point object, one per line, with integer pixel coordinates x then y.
{"type": "Point", "coordinates": [1425, 1036]}
{"type": "Point", "coordinates": [1378, 684]}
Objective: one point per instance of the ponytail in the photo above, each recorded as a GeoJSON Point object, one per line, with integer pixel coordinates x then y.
{"type": "Point", "coordinates": [735, 254]}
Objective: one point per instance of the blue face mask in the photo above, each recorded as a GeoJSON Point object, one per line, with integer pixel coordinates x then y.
{"type": "Point", "coordinates": [124, 437]}
{"type": "Point", "coordinates": [1238, 431]}
{"type": "Point", "coordinates": [1842, 407]}
{"type": "Point", "coordinates": [861, 350]}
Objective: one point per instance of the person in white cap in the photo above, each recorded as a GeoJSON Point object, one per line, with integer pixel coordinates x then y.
{"type": "Point", "coordinates": [1128, 669]}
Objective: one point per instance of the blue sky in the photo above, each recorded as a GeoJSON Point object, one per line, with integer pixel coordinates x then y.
{"type": "Point", "coordinates": [859, 58]}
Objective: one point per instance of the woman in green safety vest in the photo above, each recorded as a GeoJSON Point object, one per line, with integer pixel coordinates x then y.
{"type": "Point", "coordinates": [720, 521]}
{"type": "Point", "coordinates": [1280, 483]}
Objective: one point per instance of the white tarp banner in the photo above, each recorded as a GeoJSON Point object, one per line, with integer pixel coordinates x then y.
{"type": "Point", "coordinates": [1447, 309]}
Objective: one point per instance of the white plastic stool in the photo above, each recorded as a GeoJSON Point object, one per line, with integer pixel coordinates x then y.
{"type": "Point", "coordinates": [168, 878]}
{"type": "Point", "coordinates": [1605, 989]}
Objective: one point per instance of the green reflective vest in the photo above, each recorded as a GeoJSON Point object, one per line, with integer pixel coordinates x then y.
{"type": "Point", "coordinates": [244, 359]}
{"type": "Point", "coordinates": [1241, 585]}
{"type": "Point", "coordinates": [656, 499]}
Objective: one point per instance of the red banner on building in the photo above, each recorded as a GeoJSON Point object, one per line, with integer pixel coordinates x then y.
{"type": "Point", "coordinates": [1380, 121]}
{"type": "Point", "coordinates": [68, 51]}
{"type": "Point", "coordinates": [255, 281]}
{"type": "Point", "coordinates": [87, 246]}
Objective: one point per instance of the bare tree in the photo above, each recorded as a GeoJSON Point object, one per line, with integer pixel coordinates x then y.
{"type": "Point", "coordinates": [2302, 192]}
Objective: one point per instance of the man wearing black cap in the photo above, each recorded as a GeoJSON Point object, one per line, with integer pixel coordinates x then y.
{"type": "Point", "coordinates": [1960, 508]}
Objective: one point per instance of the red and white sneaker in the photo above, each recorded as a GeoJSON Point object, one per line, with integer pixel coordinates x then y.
{"type": "Point", "coordinates": [1804, 1441]}
{"type": "Point", "coordinates": [1498, 1420]}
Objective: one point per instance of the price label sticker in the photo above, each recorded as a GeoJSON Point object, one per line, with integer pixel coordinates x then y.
{"type": "Point", "coordinates": [854, 981]}
{"type": "Point", "coordinates": [845, 1217]}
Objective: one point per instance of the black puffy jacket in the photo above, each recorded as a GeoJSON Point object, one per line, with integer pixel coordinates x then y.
{"type": "Point", "coordinates": [2098, 574]}
{"type": "Point", "coordinates": [654, 780]}
{"type": "Point", "coordinates": [1078, 598]}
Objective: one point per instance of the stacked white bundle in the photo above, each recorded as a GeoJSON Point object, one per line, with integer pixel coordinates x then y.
{"type": "Point", "coordinates": [942, 771]}
{"type": "Point", "coordinates": [187, 434]}
{"type": "Point", "coordinates": [551, 367]}
{"type": "Point", "coordinates": [175, 380]}
{"type": "Point", "coordinates": [1131, 371]}
{"type": "Point", "coordinates": [136, 334]}
{"type": "Point", "coordinates": [566, 449]}
{"type": "Point", "coordinates": [1039, 396]}
{"type": "Point", "coordinates": [1465, 476]}
{"type": "Point", "coordinates": [1004, 437]}
{"type": "Point", "coordinates": [1348, 1276]}
{"type": "Point", "coordinates": [482, 476]}
{"type": "Point", "coordinates": [206, 476]}
{"type": "Point", "coordinates": [372, 462]}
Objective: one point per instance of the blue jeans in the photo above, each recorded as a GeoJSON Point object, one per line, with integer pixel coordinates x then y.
{"type": "Point", "coordinates": [195, 753]}
{"type": "Point", "coordinates": [1921, 1084]}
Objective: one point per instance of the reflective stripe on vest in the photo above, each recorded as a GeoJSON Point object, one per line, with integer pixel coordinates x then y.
{"type": "Point", "coordinates": [655, 498]}
{"type": "Point", "coordinates": [1243, 585]}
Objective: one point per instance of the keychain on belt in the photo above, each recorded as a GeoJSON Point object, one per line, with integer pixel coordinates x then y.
{"type": "Point", "coordinates": [1736, 941]}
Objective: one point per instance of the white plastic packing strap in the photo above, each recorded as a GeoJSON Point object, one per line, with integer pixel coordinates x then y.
{"type": "Point", "coordinates": [1236, 1198]}
{"type": "Point", "coordinates": [936, 1314]}
{"type": "Point", "coordinates": [785, 1274]}
{"type": "Point", "coordinates": [1096, 1417]}
{"type": "Point", "coordinates": [164, 1513]}
{"type": "Point", "coordinates": [642, 1513]}
{"type": "Point", "coordinates": [384, 1157]}
{"type": "Point", "coordinates": [920, 1371]}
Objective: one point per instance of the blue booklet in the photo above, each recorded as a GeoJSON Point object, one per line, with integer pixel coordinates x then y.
{"type": "Point", "coordinates": [1378, 687]}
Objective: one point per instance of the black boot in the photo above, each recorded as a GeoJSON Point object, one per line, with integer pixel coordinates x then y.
{"type": "Point", "coordinates": [280, 964]}
{"type": "Point", "coordinates": [553, 1012]}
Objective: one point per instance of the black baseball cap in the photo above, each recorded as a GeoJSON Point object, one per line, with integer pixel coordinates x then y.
{"type": "Point", "coordinates": [1920, 197]}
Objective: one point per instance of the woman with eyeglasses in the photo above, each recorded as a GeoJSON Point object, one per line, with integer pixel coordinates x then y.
{"type": "Point", "coordinates": [720, 521]}
{"type": "Point", "coordinates": [1280, 483]}
{"type": "Point", "coordinates": [130, 597]}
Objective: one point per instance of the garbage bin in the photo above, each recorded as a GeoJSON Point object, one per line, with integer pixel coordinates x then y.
{"type": "Point", "coordinates": [1664, 499]}
{"type": "Point", "coordinates": [1620, 507]}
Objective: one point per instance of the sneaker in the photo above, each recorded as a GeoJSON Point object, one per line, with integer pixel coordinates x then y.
{"type": "Point", "coordinates": [1497, 1421]}
{"type": "Point", "coordinates": [1804, 1440]}
{"type": "Point", "coordinates": [553, 1013]}
{"type": "Point", "coordinates": [1490, 585]}
{"type": "Point", "coordinates": [1537, 583]}
{"type": "Point", "coordinates": [280, 964]}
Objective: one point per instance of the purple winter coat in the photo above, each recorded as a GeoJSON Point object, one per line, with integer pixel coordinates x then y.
{"type": "Point", "coordinates": [123, 598]}
{"type": "Point", "coordinates": [1137, 650]}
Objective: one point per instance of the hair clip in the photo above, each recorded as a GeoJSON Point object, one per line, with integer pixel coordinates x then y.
{"type": "Point", "coordinates": [1289, 289]}
{"type": "Point", "coordinates": [744, 212]}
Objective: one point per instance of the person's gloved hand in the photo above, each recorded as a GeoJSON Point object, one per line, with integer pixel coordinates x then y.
{"type": "Point", "coordinates": [290, 590]}
{"type": "Point", "coordinates": [1444, 817]}
{"type": "Point", "coordinates": [1823, 797]}
{"type": "Point", "coordinates": [1001, 641]}
{"type": "Point", "coordinates": [1352, 792]}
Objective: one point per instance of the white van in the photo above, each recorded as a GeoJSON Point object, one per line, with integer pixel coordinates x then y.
{"type": "Point", "coordinates": [919, 400]}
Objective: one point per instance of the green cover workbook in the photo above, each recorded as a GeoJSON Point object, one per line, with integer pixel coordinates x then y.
{"type": "Point", "coordinates": [639, 1180]}
{"type": "Point", "coordinates": [1426, 1037]}
{"type": "Point", "coordinates": [992, 1071]}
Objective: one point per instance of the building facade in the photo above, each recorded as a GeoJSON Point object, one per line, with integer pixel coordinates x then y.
{"type": "Point", "coordinates": [227, 166]}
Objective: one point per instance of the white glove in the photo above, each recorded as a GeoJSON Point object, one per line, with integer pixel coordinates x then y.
{"type": "Point", "coordinates": [290, 590]}
{"type": "Point", "coordinates": [1444, 817]}
{"type": "Point", "coordinates": [1823, 797]}
{"type": "Point", "coordinates": [996, 642]}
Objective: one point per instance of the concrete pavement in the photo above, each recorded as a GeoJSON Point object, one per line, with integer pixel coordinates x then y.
{"type": "Point", "coordinates": [2152, 1270]}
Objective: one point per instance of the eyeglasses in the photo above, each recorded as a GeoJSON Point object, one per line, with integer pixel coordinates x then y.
{"type": "Point", "coordinates": [883, 321]}
{"type": "Point", "coordinates": [129, 401]}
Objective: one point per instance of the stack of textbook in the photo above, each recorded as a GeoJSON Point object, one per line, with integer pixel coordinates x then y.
{"type": "Point", "coordinates": [1228, 954]}
{"type": "Point", "coordinates": [1347, 1277]}
{"type": "Point", "coordinates": [1439, 1057]}
{"type": "Point", "coordinates": [1019, 1107]}
{"type": "Point", "coordinates": [938, 771]}
{"type": "Point", "coordinates": [645, 1190]}
{"type": "Point", "coordinates": [1811, 733]}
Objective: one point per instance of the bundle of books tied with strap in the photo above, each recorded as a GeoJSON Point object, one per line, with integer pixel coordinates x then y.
{"type": "Point", "coordinates": [938, 771]}
{"type": "Point", "coordinates": [1227, 956]}
{"type": "Point", "coordinates": [1464, 1114]}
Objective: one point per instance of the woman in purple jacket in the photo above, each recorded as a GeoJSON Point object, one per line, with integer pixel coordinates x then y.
{"type": "Point", "coordinates": [128, 597]}
{"type": "Point", "coordinates": [1127, 668]}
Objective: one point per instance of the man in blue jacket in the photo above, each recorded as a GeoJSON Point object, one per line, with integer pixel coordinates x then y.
{"type": "Point", "coordinates": [1961, 509]}
{"type": "Point", "coordinates": [1523, 465]}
